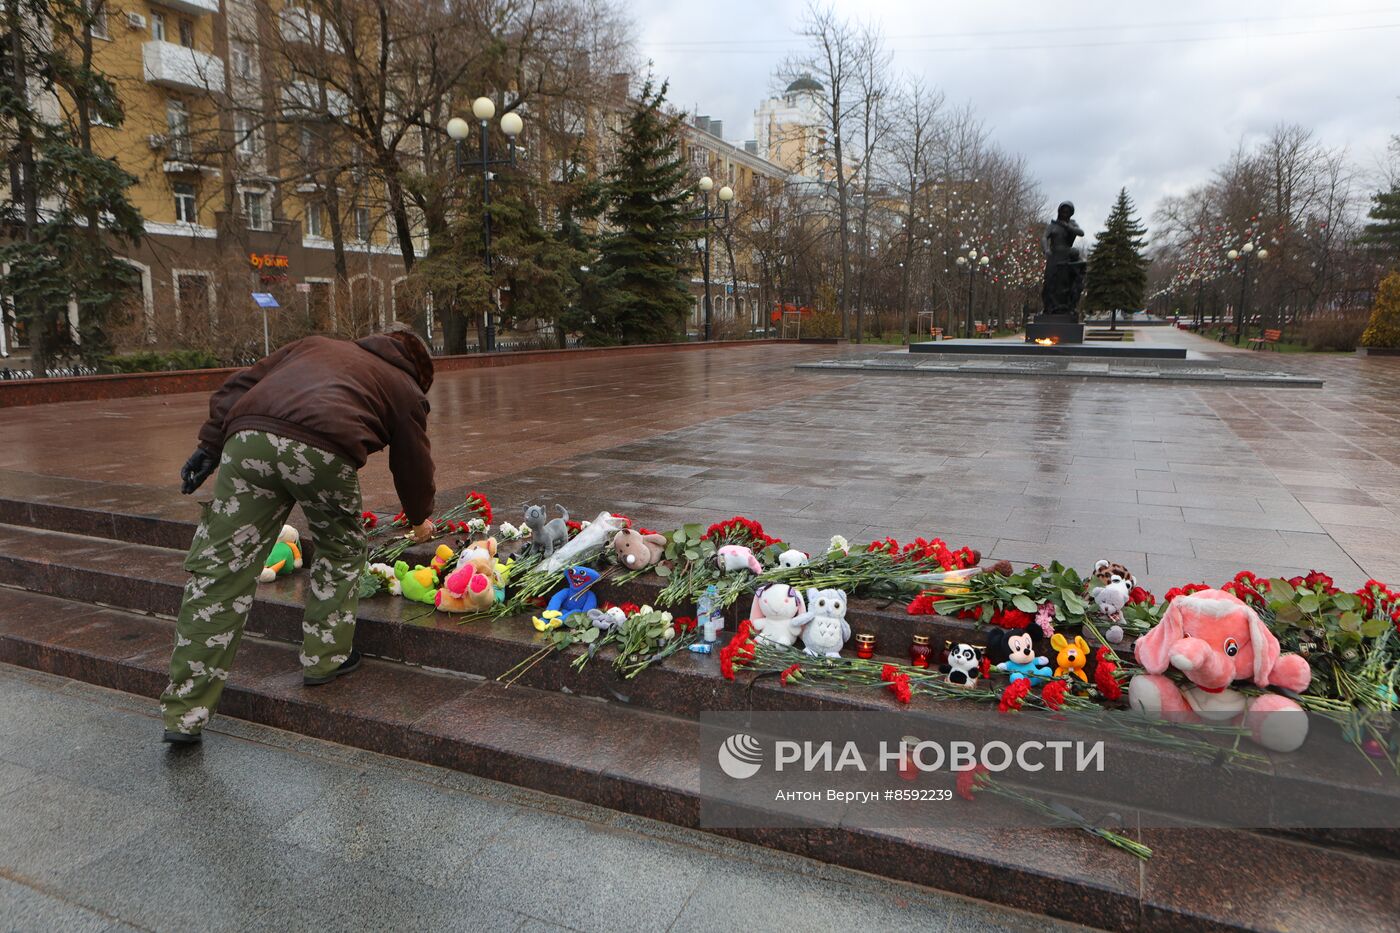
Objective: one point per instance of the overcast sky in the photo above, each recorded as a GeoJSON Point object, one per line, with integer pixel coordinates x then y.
{"type": "Point", "coordinates": [1095, 95]}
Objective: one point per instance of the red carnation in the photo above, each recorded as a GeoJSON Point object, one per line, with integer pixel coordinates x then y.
{"type": "Point", "coordinates": [1053, 694]}
{"type": "Point", "coordinates": [788, 672]}
{"type": "Point", "coordinates": [480, 504]}
{"type": "Point", "coordinates": [369, 520]}
{"type": "Point", "coordinates": [902, 690]}
{"type": "Point", "coordinates": [968, 781]}
{"type": "Point", "coordinates": [1011, 618]}
{"type": "Point", "coordinates": [1103, 676]}
{"type": "Point", "coordinates": [925, 604]}
{"type": "Point", "coordinates": [1014, 695]}
{"type": "Point", "coordinates": [986, 666]}
{"type": "Point", "coordinates": [888, 672]}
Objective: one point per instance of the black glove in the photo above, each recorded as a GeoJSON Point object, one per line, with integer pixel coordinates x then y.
{"type": "Point", "coordinates": [197, 469]}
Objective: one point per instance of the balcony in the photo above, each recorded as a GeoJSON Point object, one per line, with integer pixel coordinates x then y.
{"type": "Point", "coordinates": [191, 7]}
{"type": "Point", "coordinates": [300, 25]}
{"type": "Point", "coordinates": [302, 100]}
{"type": "Point", "coordinates": [182, 69]}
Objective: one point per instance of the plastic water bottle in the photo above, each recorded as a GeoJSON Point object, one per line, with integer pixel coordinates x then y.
{"type": "Point", "coordinates": [710, 618]}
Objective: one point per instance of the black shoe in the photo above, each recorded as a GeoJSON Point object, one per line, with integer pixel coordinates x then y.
{"type": "Point", "coordinates": [351, 663]}
{"type": "Point", "coordinates": [183, 738]}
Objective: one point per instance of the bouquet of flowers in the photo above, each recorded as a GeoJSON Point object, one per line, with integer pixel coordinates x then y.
{"type": "Point", "coordinates": [689, 566]}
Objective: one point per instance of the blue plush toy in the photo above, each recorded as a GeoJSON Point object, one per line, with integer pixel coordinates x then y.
{"type": "Point", "coordinates": [1015, 654]}
{"type": "Point", "coordinates": [577, 595]}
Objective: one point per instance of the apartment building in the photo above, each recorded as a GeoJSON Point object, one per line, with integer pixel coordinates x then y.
{"type": "Point", "coordinates": [227, 211]}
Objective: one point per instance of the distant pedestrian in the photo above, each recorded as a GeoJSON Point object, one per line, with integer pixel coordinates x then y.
{"type": "Point", "coordinates": [294, 429]}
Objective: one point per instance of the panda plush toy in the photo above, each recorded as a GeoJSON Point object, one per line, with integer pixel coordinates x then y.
{"type": "Point", "coordinates": [964, 665]}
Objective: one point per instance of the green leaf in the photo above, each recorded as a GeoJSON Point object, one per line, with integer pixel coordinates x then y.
{"type": "Point", "coordinates": [692, 554]}
{"type": "Point", "coordinates": [1281, 589]}
{"type": "Point", "coordinates": [1073, 603]}
{"type": "Point", "coordinates": [694, 532]}
{"type": "Point", "coordinates": [663, 571]}
{"type": "Point", "coordinates": [1287, 613]}
{"type": "Point", "coordinates": [1308, 604]}
{"type": "Point", "coordinates": [1025, 603]}
{"type": "Point", "coordinates": [1349, 622]}
{"type": "Point", "coordinates": [588, 636]}
{"type": "Point", "coordinates": [679, 536]}
{"type": "Point", "coordinates": [1346, 601]}
{"type": "Point", "coordinates": [1372, 628]}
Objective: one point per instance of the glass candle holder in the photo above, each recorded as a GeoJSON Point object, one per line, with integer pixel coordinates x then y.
{"type": "Point", "coordinates": [865, 645]}
{"type": "Point", "coordinates": [920, 651]}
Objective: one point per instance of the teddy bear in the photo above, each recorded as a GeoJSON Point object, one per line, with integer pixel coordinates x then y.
{"type": "Point", "coordinates": [792, 558]}
{"type": "Point", "coordinates": [285, 556]}
{"type": "Point", "coordinates": [637, 551]}
{"type": "Point", "coordinates": [778, 614]}
{"type": "Point", "coordinates": [964, 665]}
{"type": "Point", "coordinates": [473, 585]}
{"type": "Point", "coordinates": [1214, 639]}
{"type": "Point", "coordinates": [1110, 599]}
{"type": "Point", "coordinates": [826, 631]}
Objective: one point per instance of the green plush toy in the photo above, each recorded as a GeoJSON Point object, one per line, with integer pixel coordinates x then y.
{"type": "Point", "coordinates": [419, 584]}
{"type": "Point", "coordinates": [285, 556]}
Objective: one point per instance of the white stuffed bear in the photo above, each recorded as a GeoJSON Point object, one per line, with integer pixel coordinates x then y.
{"type": "Point", "coordinates": [826, 633]}
{"type": "Point", "coordinates": [792, 559]}
{"type": "Point", "coordinates": [1111, 599]}
{"type": "Point", "coordinates": [778, 614]}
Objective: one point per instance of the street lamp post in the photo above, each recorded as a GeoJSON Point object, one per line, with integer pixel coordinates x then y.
{"type": "Point", "coordinates": [972, 263]}
{"type": "Point", "coordinates": [707, 217]}
{"type": "Point", "coordinates": [1243, 256]}
{"type": "Point", "coordinates": [483, 108]}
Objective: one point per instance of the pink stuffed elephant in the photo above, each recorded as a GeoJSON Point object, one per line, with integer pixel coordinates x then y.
{"type": "Point", "coordinates": [1215, 639]}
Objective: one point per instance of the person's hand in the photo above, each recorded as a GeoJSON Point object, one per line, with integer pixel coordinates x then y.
{"type": "Point", "coordinates": [197, 469]}
{"type": "Point", "coordinates": [423, 531]}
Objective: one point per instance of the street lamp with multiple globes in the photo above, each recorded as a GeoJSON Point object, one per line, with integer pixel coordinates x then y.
{"type": "Point", "coordinates": [970, 263]}
{"type": "Point", "coordinates": [1243, 255]}
{"type": "Point", "coordinates": [483, 108]}
{"type": "Point", "coordinates": [707, 217]}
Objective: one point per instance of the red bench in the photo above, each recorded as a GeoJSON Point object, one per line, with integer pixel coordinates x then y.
{"type": "Point", "coordinates": [1266, 339]}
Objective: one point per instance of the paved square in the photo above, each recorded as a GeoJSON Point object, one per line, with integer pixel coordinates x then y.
{"type": "Point", "coordinates": [1180, 482]}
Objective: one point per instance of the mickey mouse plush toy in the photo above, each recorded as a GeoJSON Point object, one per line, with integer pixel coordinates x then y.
{"type": "Point", "coordinates": [1018, 654]}
{"type": "Point", "coordinates": [963, 666]}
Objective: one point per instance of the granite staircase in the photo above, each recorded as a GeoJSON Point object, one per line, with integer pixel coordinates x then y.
{"type": "Point", "coordinates": [90, 577]}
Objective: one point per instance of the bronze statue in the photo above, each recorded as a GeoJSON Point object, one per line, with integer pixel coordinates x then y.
{"type": "Point", "coordinates": [1064, 266]}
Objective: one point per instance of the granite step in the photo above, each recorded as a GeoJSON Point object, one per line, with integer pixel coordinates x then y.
{"type": "Point", "coordinates": [645, 763]}
{"type": "Point", "coordinates": [146, 579]}
{"type": "Point", "coordinates": [157, 518]}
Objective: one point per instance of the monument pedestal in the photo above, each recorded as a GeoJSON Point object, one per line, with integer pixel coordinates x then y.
{"type": "Point", "coordinates": [1057, 328]}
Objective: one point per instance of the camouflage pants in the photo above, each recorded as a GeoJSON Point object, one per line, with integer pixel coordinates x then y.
{"type": "Point", "coordinates": [261, 476]}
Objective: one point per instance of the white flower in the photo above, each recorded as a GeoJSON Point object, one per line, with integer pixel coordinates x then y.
{"type": "Point", "coordinates": [667, 618]}
{"type": "Point", "coordinates": [838, 543]}
{"type": "Point", "coordinates": [508, 530]}
{"type": "Point", "coordinates": [644, 610]}
{"type": "Point", "coordinates": [476, 526]}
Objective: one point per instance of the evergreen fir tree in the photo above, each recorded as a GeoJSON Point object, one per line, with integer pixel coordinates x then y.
{"type": "Point", "coordinates": [67, 205]}
{"type": "Point", "coordinates": [642, 295]}
{"type": "Point", "coordinates": [1384, 328]}
{"type": "Point", "coordinates": [1117, 268]}
{"type": "Point", "coordinates": [1384, 229]}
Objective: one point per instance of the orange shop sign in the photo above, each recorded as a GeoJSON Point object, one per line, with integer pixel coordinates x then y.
{"type": "Point", "coordinates": [268, 261]}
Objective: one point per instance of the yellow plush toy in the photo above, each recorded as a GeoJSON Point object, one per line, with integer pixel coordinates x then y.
{"type": "Point", "coordinates": [1072, 657]}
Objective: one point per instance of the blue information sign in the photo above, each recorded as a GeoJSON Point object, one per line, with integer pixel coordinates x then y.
{"type": "Point", "coordinates": [265, 300]}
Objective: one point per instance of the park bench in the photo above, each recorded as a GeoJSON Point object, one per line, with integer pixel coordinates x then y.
{"type": "Point", "coordinates": [982, 330]}
{"type": "Point", "coordinates": [1226, 332]}
{"type": "Point", "coordinates": [1265, 339]}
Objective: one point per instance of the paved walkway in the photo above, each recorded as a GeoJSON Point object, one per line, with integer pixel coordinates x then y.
{"type": "Point", "coordinates": [102, 828]}
{"type": "Point", "coordinates": [1180, 482]}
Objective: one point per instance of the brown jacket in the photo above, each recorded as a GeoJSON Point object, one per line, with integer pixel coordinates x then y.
{"type": "Point", "coordinates": [350, 398]}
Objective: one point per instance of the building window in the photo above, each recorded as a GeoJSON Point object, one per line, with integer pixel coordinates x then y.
{"type": "Point", "coordinates": [362, 224]}
{"type": "Point", "coordinates": [158, 26]}
{"type": "Point", "coordinates": [244, 64]}
{"type": "Point", "coordinates": [314, 224]}
{"type": "Point", "coordinates": [187, 33]}
{"type": "Point", "coordinates": [247, 136]}
{"type": "Point", "coordinates": [98, 9]}
{"type": "Point", "coordinates": [186, 212]}
{"type": "Point", "coordinates": [256, 211]}
{"type": "Point", "coordinates": [177, 124]}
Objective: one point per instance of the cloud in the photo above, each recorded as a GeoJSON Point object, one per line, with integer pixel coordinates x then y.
{"type": "Point", "coordinates": [1096, 95]}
